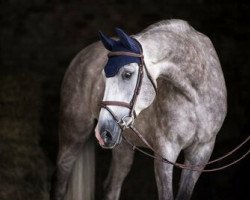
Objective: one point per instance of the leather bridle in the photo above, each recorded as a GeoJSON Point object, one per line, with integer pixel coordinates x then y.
{"type": "Point", "coordinates": [127, 121]}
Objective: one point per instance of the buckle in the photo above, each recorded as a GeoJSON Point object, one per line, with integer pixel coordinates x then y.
{"type": "Point", "coordinates": [126, 122]}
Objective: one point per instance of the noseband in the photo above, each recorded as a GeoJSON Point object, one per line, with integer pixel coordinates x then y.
{"type": "Point", "coordinates": [127, 121]}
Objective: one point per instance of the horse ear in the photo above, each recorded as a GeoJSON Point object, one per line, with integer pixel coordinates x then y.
{"type": "Point", "coordinates": [107, 42]}
{"type": "Point", "coordinates": [126, 40]}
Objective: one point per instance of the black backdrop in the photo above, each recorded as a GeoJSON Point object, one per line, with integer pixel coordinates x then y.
{"type": "Point", "coordinates": [38, 40]}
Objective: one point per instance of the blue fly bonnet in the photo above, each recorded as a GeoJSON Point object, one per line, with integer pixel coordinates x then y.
{"type": "Point", "coordinates": [127, 44]}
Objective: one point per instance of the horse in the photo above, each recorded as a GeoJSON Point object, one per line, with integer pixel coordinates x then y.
{"type": "Point", "coordinates": [166, 81]}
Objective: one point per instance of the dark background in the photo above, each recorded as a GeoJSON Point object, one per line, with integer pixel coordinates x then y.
{"type": "Point", "coordinates": [38, 40]}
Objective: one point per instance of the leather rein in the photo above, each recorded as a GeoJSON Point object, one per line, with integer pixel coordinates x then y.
{"type": "Point", "coordinates": [127, 121]}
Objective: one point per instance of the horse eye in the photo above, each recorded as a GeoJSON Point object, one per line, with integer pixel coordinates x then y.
{"type": "Point", "coordinates": [126, 75]}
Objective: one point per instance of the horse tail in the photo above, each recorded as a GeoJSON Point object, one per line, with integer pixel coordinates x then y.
{"type": "Point", "coordinates": [82, 180]}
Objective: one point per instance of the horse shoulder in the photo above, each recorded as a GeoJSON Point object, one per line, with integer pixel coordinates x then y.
{"type": "Point", "coordinates": [83, 82]}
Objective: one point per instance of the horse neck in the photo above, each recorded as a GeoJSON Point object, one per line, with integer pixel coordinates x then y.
{"type": "Point", "coordinates": [161, 55]}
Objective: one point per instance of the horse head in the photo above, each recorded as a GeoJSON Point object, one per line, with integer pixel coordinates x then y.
{"type": "Point", "coordinates": [128, 90]}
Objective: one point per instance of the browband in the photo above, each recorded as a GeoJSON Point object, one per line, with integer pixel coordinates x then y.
{"type": "Point", "coordinates": [125, 53]}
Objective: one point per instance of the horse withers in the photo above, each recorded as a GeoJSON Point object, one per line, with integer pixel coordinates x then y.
{"type": "Point", "coordinates": [166, 81]}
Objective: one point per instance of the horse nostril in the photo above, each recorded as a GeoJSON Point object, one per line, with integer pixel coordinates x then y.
{"type": "Point", "coordinates": [106, 136]}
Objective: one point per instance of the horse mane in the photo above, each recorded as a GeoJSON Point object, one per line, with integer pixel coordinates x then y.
{"type": "Point", "coordinates": [175, 25]}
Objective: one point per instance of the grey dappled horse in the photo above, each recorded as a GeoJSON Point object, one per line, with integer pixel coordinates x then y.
{"type": "Point", "coordinates": [185, 114]}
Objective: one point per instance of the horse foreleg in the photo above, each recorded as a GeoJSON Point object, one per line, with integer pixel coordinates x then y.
{"type": "Point", "coordinates": [197, 154]}
{"type": "Point", "coordinates": [122, 159]}
{"type": "Point", "coordinates": [164, 171]}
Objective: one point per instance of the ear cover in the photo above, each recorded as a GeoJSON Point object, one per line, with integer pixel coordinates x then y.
{"type": "Point", "coordinates": [127, 41]}
{"type": "Point", "coordinates": [107, 42]}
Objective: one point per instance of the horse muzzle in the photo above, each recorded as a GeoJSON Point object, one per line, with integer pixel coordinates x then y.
{"type": "Point", "coordinates": [108, 134]}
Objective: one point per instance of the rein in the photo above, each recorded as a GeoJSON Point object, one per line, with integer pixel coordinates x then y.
{"type": "Point", "coordinates": [127, 121]}
{"type": "Point", "coordinates": [185, 166]}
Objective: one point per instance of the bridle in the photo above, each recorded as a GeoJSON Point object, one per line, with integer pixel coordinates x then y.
{"type": "Point", "coordinates": [127, 121]}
